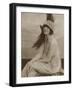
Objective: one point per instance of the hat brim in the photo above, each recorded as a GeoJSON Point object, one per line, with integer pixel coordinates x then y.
{"type": "Point", "coordinates": [41, 26]}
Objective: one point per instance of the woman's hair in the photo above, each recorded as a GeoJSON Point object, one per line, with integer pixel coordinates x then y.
{"type": "Point", "coordinates": [41, 38]}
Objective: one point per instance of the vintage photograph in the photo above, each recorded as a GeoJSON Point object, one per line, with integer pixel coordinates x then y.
{"type": "Point", "coordinates": [42, 44]}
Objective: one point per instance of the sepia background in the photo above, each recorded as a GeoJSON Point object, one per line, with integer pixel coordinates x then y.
{"type": "Point", "coordinates": [30, 30]}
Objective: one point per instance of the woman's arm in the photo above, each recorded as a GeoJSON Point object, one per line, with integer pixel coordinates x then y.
{"type": "Point", "coordinates": [39, 54]}
{"type": "Point", "coordinates": [53, 52]}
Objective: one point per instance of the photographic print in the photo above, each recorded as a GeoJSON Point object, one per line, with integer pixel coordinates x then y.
{"type": "Point", "coordinates": [41, 44]}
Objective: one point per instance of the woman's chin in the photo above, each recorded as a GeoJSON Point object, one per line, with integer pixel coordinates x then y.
{"type": "Point", "coordinates": [45, 33]}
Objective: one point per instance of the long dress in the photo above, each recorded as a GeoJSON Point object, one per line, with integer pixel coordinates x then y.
{"type": "Point", "coordinates": [46, 62]}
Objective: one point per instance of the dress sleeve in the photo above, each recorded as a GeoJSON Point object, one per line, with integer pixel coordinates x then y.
{"type": "Point", "coordinates": [53, 52]}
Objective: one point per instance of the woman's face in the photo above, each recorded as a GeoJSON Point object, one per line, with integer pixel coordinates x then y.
{"type": "Point", "coordinates": [46, 30]}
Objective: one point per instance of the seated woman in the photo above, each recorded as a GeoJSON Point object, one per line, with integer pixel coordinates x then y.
{"type": "Point", "coordinates": [47, 61]}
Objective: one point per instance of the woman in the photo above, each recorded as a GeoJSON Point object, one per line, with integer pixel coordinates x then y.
{"type": "Point", "coordinates": [47, 61]}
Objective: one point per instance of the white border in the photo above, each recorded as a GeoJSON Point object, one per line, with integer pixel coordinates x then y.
{"type": "Point", "coordinates": [24, 80]}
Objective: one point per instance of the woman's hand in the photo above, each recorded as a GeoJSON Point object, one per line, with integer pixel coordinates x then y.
{"type": "Point", "coordinates": [44, 60]}
{"type": "Point", "coordinates": [37, 57]}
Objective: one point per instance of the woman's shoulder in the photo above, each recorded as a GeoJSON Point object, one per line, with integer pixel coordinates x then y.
{"type": "Point", "coordinates": [54, 42]}
{"type": "Point", "coordinates": [54, 39]}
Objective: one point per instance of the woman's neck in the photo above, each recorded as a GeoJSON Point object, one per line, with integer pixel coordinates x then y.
{"type": "Point", "coordinates": [49, 37]}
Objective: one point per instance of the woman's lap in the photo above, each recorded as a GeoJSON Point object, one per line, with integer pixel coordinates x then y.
{"type": "Point", "coordinates": [38, 67]}
{"type": "Point", "coordinates": [46, 68]}
{"type": "Point", "coordinates": [41, 67]}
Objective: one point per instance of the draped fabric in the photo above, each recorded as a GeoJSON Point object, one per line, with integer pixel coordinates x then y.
{"type": "Point", "coordinates": [46, 62]}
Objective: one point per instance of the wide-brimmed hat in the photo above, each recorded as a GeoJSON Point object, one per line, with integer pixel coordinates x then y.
{"type": "Point", "coordinates": [49, 24]}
